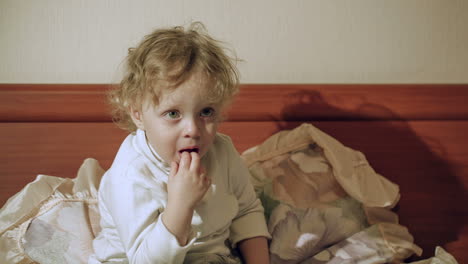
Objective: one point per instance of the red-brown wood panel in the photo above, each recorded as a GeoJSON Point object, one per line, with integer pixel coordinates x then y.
{"type": "Point", "coordinates": [428, 159]}
{"type": "Point", "coordinates": [53, 102]}
{"type": "Point", "coordinates": [278, 102]}
{"type": "Point", "coordinates": [256, 102]}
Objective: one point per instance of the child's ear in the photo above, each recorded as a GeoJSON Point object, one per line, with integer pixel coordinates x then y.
{"type": "Point", "coordinates": [137, 118]}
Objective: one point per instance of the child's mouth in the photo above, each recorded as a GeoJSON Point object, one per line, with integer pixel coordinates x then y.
{"type": "Point", "coordinates": [189, 150]}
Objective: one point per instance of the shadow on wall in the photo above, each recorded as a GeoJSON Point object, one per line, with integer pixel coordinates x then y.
{"type": "Point", "coordinates": [431, 204]}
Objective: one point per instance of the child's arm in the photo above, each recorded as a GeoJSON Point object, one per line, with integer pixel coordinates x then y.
{"type": "Point", "coordinates": [135, 209]}
{"type": "Point", "coordinates": [255, 250]}
{"type": "Point", "coordinates": [186, 186]}
{"type": "Point", "coordinates": [249, 231]}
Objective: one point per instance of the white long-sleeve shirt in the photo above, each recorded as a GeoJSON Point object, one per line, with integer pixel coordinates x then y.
{"type": "Point", "coordinates": [133, 195]}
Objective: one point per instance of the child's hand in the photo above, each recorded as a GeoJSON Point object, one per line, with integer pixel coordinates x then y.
{"type": "Point", "coordinates": [186, 186]}
{"type": "Point", "coordinates": [187, 182]}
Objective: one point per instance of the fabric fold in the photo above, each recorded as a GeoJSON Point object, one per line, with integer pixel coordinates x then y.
{"type": "Point", "coordinates": [373, 245]}
{"type": "Point", "coordinates": [350, 167]}
{"type": "Point", "coordinates": [440, 257]}
{"type": "Point", "coordinates": [306, 176]}
{"type": "Point", "coordinates": [399, 240]}
{"type": "Point", "coordinates": [48, 208]}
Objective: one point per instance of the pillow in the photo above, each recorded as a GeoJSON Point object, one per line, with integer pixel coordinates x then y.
{"type": "Point", "coordinates": [379, 243]}
{"type": "Point", "coordinates": [52, 219]}
{"type": "Point", "coordinates": [317, 193]}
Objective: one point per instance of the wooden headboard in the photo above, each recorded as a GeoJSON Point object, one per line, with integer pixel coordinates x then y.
{"type": "Point", "coordinates": [415, 135]}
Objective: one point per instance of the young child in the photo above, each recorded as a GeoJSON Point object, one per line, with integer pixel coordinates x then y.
{"type": "Point", "coordinates": [177, 191]}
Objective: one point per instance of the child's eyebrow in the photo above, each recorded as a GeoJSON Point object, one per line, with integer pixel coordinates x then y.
{"type": "Point", "coordinates": [168, 108]}
{"type": "Point", "coordinates": [161, 108]}
{"type": "Point", "coordinates": [168, 104]}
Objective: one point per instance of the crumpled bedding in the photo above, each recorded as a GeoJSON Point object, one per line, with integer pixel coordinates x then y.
{"type": "Point", "coordinates": [52, 219]}
{"type": "Point", "coordinates": [323, 204]}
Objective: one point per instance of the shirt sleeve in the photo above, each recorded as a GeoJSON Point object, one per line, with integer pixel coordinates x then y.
{"type": "Point", "coordinates": [136, 209]}
{"type": "Point", "coordinates": [250, 220]}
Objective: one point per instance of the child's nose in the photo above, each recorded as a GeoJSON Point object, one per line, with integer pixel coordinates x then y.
{"type": "Point", "coordinates": [192, 129]}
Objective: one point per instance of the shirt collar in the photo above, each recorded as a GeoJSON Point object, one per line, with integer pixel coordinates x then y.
{"type": "Point", "coordinates": [150, 152]}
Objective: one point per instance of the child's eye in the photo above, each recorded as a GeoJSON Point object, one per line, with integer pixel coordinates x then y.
{"type": "Point", "coordinates": [207, 112]}
{"type": "Point", "coordinates": [172, 114]}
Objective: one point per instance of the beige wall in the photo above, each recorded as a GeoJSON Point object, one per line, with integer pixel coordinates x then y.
{"type": "Point", "coordinates": [306, 41]}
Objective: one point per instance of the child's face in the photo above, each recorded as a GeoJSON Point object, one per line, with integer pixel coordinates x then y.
{"type": "Point", "coordinates": [182, 121]}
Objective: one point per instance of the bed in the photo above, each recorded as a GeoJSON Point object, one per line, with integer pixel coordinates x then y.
{"type": "Point", "coordinates": [413, 134]}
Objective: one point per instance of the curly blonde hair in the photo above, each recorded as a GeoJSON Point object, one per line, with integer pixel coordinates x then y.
{"type": "Point", "coordinates": [165, 59]}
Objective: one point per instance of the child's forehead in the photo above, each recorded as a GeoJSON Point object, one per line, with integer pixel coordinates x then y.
{"type": "Point", "coordinates": [197, 81]}
{"type": "Point", "coordinates": [200, 95]}
{"type": "Point", "coordinates": [198, 88]}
